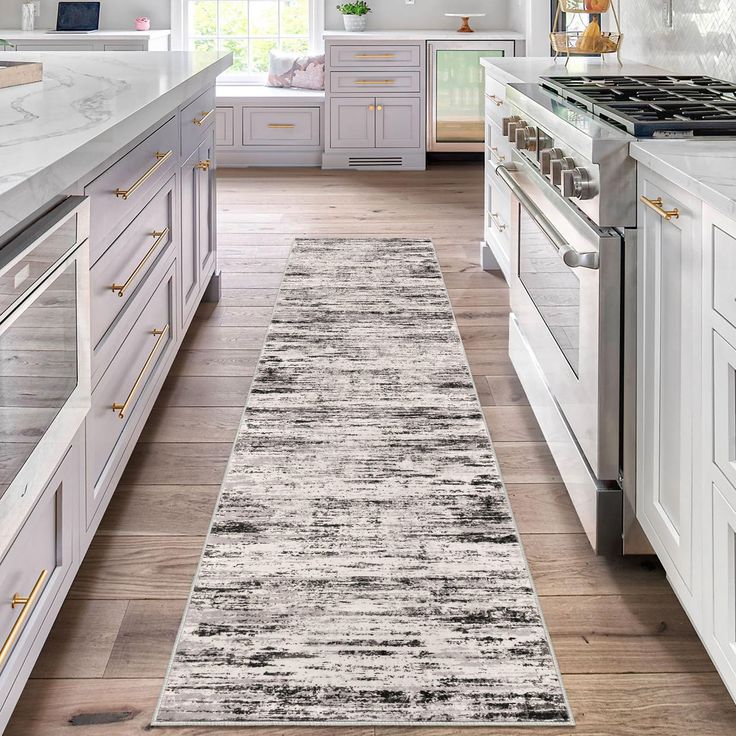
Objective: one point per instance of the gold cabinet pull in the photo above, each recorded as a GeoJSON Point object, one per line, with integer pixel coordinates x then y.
{"type": "Point", "coordinates": [379, 82]}
{"type": "Point", "coordinates": [204, 116]}
{"type": "Point", "coordinates": [497, 222]}
{"type": "Point", "coordinates": [496, 156]}
{"type": "Point", "coordinates": [203, 165]}
{"type": "Point", "coordinates": [281, 125]}
{"type": "Point", "coordinates": [122, 408]}
{"type": "Point", "coordinates": [656, 205]}
{"type": "Point", "coordinates": [371, 107]}
{"type": "Point", "coordinates": [160, 236]}
{"type": "Point", "coordinates": [495, 100]}
{"type": "Point", "coordinates": [161, 158]}
{"type": "Point", "coordinates": [26, 603]}
{"type": "Point", "coordinates": [379, 107]}
{"type": "Point", "coordinates": [374, 56]}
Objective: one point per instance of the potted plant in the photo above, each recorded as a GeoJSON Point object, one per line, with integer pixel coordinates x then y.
{"type": "Point", "coordinates": [354, 15]}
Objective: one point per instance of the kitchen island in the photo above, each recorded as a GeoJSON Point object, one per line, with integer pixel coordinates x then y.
{"type": "Point", "coordinates": [107, 245]}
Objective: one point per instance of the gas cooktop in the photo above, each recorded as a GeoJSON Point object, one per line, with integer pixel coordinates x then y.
{"type": "Point", "coordinates": [656, 106]}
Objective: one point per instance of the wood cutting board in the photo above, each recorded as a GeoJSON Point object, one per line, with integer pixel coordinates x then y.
{"type": "Point", "coordinates": [13, 73]}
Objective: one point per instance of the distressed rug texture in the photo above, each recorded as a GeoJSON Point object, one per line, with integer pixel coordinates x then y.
{"type": "Point", "coordinates": [363, 566]}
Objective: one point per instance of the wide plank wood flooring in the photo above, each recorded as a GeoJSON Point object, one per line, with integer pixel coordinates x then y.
{"type": "Point", "coordinates": [630, 659]}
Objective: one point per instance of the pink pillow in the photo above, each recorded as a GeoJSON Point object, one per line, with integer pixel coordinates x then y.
{"type": "Point", "coordinates": [294, 70]}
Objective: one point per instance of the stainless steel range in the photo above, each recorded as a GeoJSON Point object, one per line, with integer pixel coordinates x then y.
{"type": "Point", "coordinates": [573, 275]}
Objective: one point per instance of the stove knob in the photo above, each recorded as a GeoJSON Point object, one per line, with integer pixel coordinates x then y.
{"type": "Point", "coordinates": [576, 183]}
{"type": "Point", "coordinates": [547, 156]}
{"type": "Point", "coordinates": [524, 138]}
{"type": "Point", "coordinates": [507, 121]}
{"type": "Point", "coordinates": [557, 166]}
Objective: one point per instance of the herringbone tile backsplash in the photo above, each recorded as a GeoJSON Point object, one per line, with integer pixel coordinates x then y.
{"type": "Point", "coordinates": [702, 39]}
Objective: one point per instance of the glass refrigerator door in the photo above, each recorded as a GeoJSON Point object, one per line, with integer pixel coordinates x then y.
{"type": "Point", "coordinates": [459, 105]}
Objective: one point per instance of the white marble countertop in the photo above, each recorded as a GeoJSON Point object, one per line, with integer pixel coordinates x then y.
{"type": "Point", "coordinates": [705, 167]}
{"type": "Point", "coordinates": [10, 34]}
{"type": "Point", "coordinates": [531, 68]}
{"type": "Point", "coordinates": [428, 35]}
{"type": "Point", "coordinates": [88, 106]}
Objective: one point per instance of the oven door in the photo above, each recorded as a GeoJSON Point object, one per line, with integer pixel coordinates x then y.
{"type": "Point", "coordinates": [566, 295]}
{"type": "Point", "coordinates": [44, 354]}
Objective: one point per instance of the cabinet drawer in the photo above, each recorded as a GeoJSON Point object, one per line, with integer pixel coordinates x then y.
{"type": "Point", "coordinates": [370, 56]}
{"type": "Point", "coordinates": [283, 126]}
{"type": "Point", "coordinates": [119, 397]}
{"type": "Point", "coordinates": [196, 118]}
{"type": "Point", "coordinates": [37, 564]}
{"type": "Point", "coordinates": [724, 406]}
{"type": "Point", "coordinates": [118, 194]}
{"type": "Point", "coordinates": [724, 274]}
{"type": "Point", "coordinates": [495, 91]}
{"type": "Point", "coordinates": [498, 150]}
{"type": "Point", "coordinates": [372, 82]}
{"type": "Point", "coordinates": [119, 273]}
{"type": "Point", "coordinates": [498, 214]}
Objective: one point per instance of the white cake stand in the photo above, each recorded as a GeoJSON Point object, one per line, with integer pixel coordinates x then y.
{"type": "Point", "coordinates": [465, 27]}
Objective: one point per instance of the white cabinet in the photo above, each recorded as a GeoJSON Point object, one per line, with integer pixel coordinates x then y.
{"type": "Point", "coordinates": [41, 40]}
{"type": "Point", "coordinates": [686, 406]}
{"type": "Point", "coordinates": [669, 308]}
{"type": "Point", "coordinates": [375, 112]}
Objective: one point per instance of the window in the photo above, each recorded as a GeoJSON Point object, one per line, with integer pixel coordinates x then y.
{"type": "Point", "coordinates": [250, 29]}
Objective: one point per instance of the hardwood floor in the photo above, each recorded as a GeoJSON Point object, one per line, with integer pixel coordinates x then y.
{"type": "Point", "coordinates": [631, 662]}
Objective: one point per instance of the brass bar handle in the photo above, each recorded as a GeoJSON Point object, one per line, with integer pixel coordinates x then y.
{"type": "Point", "coordinates": [161, 158]}
{"type": "Point", "coordinates": [281, 125]}
{"type": "Point", "coordinates": [494, 99]}
{"type": "Point", "coordinates": [122, 408]}
{"type": "Point", "coordinates": [497, 222]}
{"type": "Point", "coordinates": [376, 82]}
{"type": "Point", "coordinates": [204, 115]}
{"type": "Point", "coordinates": [203, 165]}
{"type": "Point", "coordinates": [656, 205]}
{"type": "Point", "coordinates": [26, 603]}
{"type": "Point", "coordinates": [374, 56]}
{"type": "Point", "coordinates": [496, 156]}
{"type": "Point", "coordinates": [160, 236]}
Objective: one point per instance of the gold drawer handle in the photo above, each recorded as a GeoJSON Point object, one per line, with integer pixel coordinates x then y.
{"type": "Point", "coordinates": [160, 236]}
{"type": "Point", "coordinates": [496, 156]}
{"type": "Point", "coordinates": [656, 205]}
{"type": "Point", "coordinates": [26, 603]}
{"type": "Point", "coordinates": [203, 165]}
{"type": "Point", "coordinates": [374, 56]}
{"type": "Point", "coordinates": [371, 107]}
{"type": "Point", "coordinates": [161, 158]}
{"type": "Point", "coordinates": [122, 408]}
{"type": "Point", "coordinates": [379, 82]}
{"type": "Point", "coordinates": [201, 120]}
{"type": "Point", "coordinates": [281, 125]}
{"type": "Point", "coordinates": [493, 98]}
{"type": "Point", "coordinates": [497, 222]}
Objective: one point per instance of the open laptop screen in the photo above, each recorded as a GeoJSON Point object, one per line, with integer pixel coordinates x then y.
{"type": "Point", "coordinates": [78, 16]}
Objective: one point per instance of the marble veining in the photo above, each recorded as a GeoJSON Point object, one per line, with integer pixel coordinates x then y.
{"type": "Point", "coordinates": [363, 565]}
{"type": "Point", "coordinates": [52, 133]}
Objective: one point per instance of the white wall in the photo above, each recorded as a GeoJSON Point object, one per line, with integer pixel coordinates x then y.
{"type": "Point", "coordinates": [115, 15]}
{"type": "Point", "coordinates": [702, 39]}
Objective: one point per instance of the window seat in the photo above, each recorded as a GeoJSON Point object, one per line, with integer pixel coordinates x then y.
{"type": "Point", "coordinates": [269, 126]}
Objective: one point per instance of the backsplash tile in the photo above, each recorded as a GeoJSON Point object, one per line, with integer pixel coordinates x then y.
{"type": "Point", "coordinates": [702, 39]}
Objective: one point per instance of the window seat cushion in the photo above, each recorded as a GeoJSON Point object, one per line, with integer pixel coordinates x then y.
{"type": "Point", "coordinates": [255, 95]}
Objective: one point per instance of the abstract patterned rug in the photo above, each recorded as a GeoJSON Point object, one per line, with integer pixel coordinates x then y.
{"type": "Point", "coordinates": [363, 566]}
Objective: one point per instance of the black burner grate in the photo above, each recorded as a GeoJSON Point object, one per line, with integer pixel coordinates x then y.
{"type": "Point", "coordinates": [656, 105]}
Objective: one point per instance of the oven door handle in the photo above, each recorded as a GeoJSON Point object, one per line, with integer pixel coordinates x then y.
{"type": "Point", "coordinates": [571, 257]}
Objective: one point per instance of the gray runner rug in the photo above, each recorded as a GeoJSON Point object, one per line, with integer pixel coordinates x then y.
{"type": "Point", "coordinates": [363, 566]}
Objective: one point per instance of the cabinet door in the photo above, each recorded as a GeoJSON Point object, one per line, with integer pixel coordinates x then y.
{"type": "Point", "coordinates": [669, 376]}
{"type": "Point", "coordinates": [352, 122]}
{"type": "Point", "coordinates": [206, 205]}
{"type": "Point", "coordinates": [398, 122]}
{"type": "Point", "coordinates": [190, 182]}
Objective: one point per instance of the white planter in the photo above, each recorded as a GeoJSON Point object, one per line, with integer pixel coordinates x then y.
{"type": "Point", "coordinates": [354, 23]}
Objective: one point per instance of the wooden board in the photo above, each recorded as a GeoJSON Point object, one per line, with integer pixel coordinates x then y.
{"type": "Point", "coordinates": [14, 73]}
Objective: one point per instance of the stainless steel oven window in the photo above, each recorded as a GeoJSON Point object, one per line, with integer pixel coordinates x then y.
{"type": "Point", "coordinates": [553, 286]}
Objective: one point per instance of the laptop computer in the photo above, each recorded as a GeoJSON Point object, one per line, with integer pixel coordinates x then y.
{"type": "Point", "coordinates": [77, 17]}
